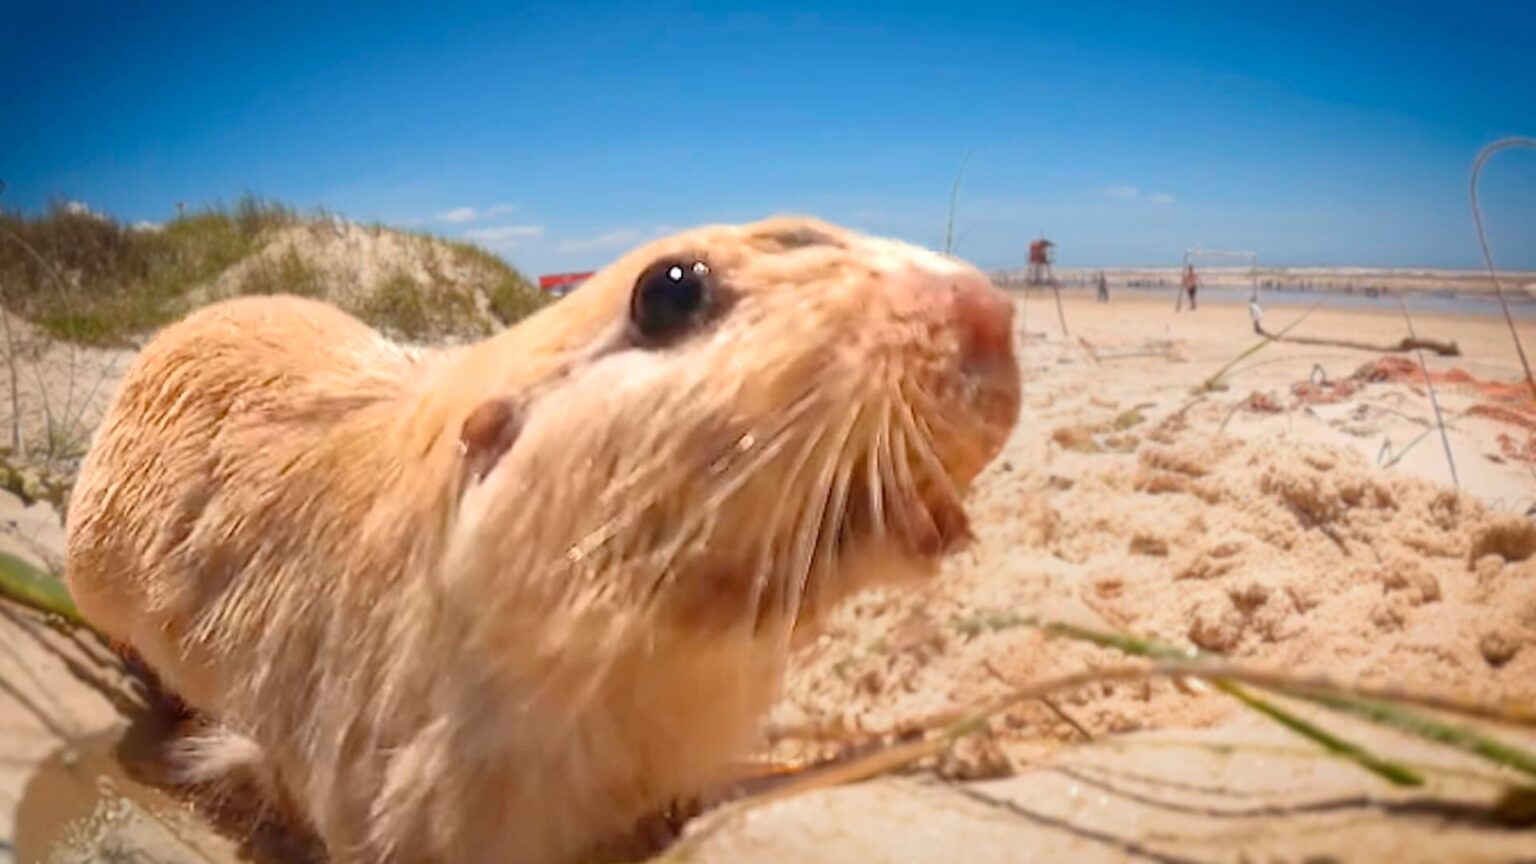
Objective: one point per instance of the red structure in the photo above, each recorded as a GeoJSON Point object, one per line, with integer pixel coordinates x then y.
{"type": "Point", "coordinates": [1041, 255]}
{"type": "Point", "coordinates": [561, 284]}
{"type": "Point", "coordinates": [1040, 251]}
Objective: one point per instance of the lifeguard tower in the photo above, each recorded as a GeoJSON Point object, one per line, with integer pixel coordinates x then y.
{"type": "Point", "coordinates": [1042, 254]}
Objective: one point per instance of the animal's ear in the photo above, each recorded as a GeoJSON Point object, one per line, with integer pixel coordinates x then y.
{"type": "Point", "coordinates": [488, 433]}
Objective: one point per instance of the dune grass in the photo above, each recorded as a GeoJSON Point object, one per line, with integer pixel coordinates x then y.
{"type": "Point", "coordinates": [412, 309]}
{"type": "Point", "coordinates": [287, 273]}
{"type": "Point", "coordinates": [89, 279]}
{"type": "Point", "coordinates": [512, 296]}
{"type": "Point", "coordinates": [70, 278]}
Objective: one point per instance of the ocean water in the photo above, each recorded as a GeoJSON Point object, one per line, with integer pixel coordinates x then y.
{"type": "Point", "coordinates": [1521, 305]}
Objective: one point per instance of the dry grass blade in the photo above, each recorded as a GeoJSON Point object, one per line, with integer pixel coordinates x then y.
{"type": "Point", "coordinates": [891, 757]}
{"type": "Point", "coordinates": [1168, 662]}
{"type": "Point", "coordinates": [954, 194]}
{"type": "Point", "coordinates": [1511, 714]}
{"type": "Point", "coordinates": [1374, 706]}
{"type": "Point", "coordinates": [1434, 400]}
{"type": "Point", "coordinates": [18, 443]}
{"type": "Point", "coordinates": [1382, 706]}
{"type": "Point", "coordinates": [1061, 314]}
{"type": "Point", "coordinates": [1482, 239]}
{"type": "Point", "coordinates": [58, 285]}
{"type": "Point", "coordinates": [1393, 458]}
{"type": "Point", "coordinates": [1392, 772]}
{"type": "Point", "coordinates": [1442, 347]}
{"type": "Point", "coordinates": [1215, 380]}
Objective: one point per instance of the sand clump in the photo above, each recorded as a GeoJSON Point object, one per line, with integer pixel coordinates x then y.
{"type": "Point", "coordinates": [1281, 551]}
{"type": "Point", "coordinates": [1303, 558]}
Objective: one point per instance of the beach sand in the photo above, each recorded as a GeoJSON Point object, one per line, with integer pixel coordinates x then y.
{"type": "Point", "coordinates": [1300, 518]}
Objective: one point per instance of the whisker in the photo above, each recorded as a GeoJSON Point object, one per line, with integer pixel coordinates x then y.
{"type": "Point", "coordinates": [807, 528]}
{"type": "Point", "coordinates": [909, 509]}
{"type": "Point", "coordinates": [936, 421]}
{"type": "Point", "coordinates": [768, 564]}
{"type": "Point", "coordinates": [879, 458]}
{"type": "Point", "coordinates": [808, 537]}
{"type": "Point", "coordinates": [617, 541]}
{"type": "Point", "coordinates": [649, 475]}
{"type": "Point", "coordinates": [923, 445]}
{"type": "Point", "coordinates": [931, 410]}
{"type": "Point", "coordinates": [890, 478]}
{"type": "Point", "coordinates": [761, 456]}
{"type": "Point", "coordinates": [831, 527]}
{"type": "Point", "coordinates": [771, 589]}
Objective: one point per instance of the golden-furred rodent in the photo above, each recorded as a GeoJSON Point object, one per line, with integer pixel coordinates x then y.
{"type": "Point", "coordinates": [497, 602]}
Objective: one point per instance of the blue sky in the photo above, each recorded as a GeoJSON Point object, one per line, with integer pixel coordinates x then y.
{"type": "Point", "coordinates": [558, 135]}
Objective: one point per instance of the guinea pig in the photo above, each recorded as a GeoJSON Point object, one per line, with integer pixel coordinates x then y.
{"type": "Point", "coordinates": [500, 601]}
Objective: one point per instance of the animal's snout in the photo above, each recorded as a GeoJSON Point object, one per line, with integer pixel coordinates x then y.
{"type": "Point", "coordinates": [983, 317]}
{"type": "Point", "coordinates": [962, 300]}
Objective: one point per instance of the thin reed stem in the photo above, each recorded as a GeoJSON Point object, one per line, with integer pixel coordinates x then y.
{"type": "Point", "coordinates": [1482, 239]}
{"type": "Point", "coordinates": [1211, 383]}
{"type": "Point", "coordinates": [1434, 401]}
{"type": "Point", "coordinates": [1359, 701]}
{"type": "Point", "coordinates": [954, 194]}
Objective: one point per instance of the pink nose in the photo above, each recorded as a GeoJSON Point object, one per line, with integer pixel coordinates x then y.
{"type": "Point", "coordinates": [984, 318]}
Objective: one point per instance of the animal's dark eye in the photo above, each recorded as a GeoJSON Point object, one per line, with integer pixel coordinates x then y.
{"type": "Point", "coordinates": [669, 296]}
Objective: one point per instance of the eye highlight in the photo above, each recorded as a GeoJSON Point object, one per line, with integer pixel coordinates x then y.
{"type": "Point", "coordinates": [670, 296]}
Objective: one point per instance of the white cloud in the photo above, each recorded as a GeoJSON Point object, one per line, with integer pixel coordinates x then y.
{"type": "Point", "coordinates": [80, 208]}
{"type": "Point", "coordinates": [504, 236]}
{"type": "Point", "coordinates": [1126, 191]}
{"type": "Point", "coordinates": [616, 239]}
{"type": "Point", "coordinates": [460, 215]}
{"type": "Point", "coordinates": [610, 240]}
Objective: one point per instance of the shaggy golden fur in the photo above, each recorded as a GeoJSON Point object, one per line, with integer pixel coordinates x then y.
{"type": "Point", "coordinates": [497, 602]}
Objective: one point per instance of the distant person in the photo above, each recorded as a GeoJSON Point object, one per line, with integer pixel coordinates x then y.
{"type": "Point", "coordinates": [1256, 312]}
{"type": "Point", "coordinates": [1191, 284]}
{"type": "Point", "coordinates": [1103, 288]}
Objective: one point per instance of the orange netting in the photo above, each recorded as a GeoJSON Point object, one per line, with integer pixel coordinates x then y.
{"type": "Point", "coordinates": [1503, 402]}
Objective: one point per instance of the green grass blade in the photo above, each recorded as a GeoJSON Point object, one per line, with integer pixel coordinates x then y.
{"type": "Point", "coordinates": [1374, 710]}
{"type": "Point", "coordinates": [1392, 772]}
{"type": "Point", "coordinates": [1428, 728]}
{"type": "Point", "coordinates": [36, 588]}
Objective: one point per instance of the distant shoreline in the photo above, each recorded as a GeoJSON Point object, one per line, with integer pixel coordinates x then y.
{"type": "Point", "coordinates": [1478, 305]}
{"type": "Point", "coordinates": [1350, 272]}
{"type": "Point", "coordinates": [1469, 292]}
